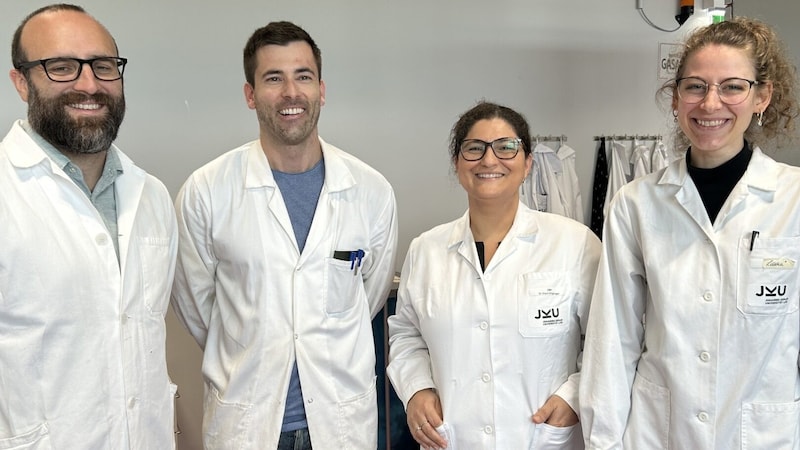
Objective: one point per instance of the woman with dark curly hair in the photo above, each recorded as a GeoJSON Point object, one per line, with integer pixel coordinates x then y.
{"type": "Point", "coordinates": [693, 339]}
{"type": "Point", "coordinates": [485, 346]}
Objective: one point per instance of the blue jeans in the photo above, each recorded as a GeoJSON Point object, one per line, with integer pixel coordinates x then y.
{"type": "Point", "coordinates": [295, 440]}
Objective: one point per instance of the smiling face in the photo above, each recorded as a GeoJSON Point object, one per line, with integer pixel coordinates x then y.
{"type": "Point", "coordinates": [716, 130]}
{"type": "Point", "coordinates": [287, 94]}
{"type": "Point", "coordinates": [490, 178]}
{"type": "Point", "coordinates": [81, 116]}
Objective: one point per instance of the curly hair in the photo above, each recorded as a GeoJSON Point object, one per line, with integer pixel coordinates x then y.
{"type": "Point", "coordinates": [768, 55]}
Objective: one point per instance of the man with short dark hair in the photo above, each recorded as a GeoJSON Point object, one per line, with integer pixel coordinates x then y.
{"type": "Point", "coordinates": [287, 252]}
{"type": "Point", "coordinates": [87, 253]}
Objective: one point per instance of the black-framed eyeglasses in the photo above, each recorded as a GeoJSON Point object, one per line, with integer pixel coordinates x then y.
{"type": "Point", "coordinates": [503, 148]}
{"type": "Point", "coordinates": [731, 91]}
{"type": "Point", "coordinates": [64, 70]}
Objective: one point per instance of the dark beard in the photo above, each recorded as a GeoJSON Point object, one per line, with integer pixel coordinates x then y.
{"type": "Point", "coordinates": [50, 119]}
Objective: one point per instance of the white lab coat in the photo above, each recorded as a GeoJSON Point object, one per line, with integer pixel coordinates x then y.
{"type": "Point", "coordinates": [495, 344]}
{"type": "Point", "coordinates": [82, 341]}
{"type": "Point", "coordinates": [684, 350]}
{"type": "Point", "coordinates": [255, 303]}
{"type": "Point", "coordinates": [553, 185]}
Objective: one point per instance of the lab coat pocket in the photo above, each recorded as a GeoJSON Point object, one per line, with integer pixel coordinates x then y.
{"type": "Point", "coordinates": [36, 439]}
{"type": "Point", "coordinates": [549, 437]}
{"type": "Point", "coordinates": [770, 425]}
{"type": "Point", "coordinates": [768, 276]}
{"type": "Point", "coordinates": [544, 304]}
{"type": "Point", "coordinates": [648, 425]}
{"type": "Point", "coordinates": [343, 286]}
{"type": "Point", "coordinates": [445, 430]}
{"type": "Point", "coordinates": [225, 425]}
{"type": "Point", "coordinates": [358, 421]}
{"type": "Point", "coordinates": [154, 258]}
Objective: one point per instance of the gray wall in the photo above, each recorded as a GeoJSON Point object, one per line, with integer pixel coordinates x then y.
{"type": "Point", "coordinates": [397, 75]}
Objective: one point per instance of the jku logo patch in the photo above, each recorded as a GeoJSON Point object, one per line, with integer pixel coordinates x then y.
{"type": "Point", "coordinates": [547, 317]}
{"type": "Point", "coordinates": [772, 295]}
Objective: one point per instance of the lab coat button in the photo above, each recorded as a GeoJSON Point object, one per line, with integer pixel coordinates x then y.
{"type": "Point", "coordinates": [488, 429]}
{"type": "Point", "coordinates": [101, 239]}
{"type": "Point", "coordinates": [486, 377]}
{"type": "Point", "coordinates": [484, 325]}
{"type": "Point", "coordinates": [708, 296]}
{"type": "Point", "coordinates": [703, 416]}
{"type": "Point", "coordinates": [296, 336]}
{"type": "Point", "coordinates": [705, 356]}
{"type": "Point", "coordinates": [132, 402]}
{"type": "Point", "coordinates": [311, 400]}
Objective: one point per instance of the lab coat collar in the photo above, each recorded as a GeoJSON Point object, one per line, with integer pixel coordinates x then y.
{"type": "Point", "coordinates": [338, 176]}
{"type": "Point", "coordinates": [525, 227]}
{"type": "Point", "coordinates": [761, 173]}
{"type": "Point", "coordinates": [24, 153]}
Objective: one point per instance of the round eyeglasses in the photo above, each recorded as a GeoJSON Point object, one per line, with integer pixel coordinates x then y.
{"type": "Point", "coordinates": [732, 91]}
{"type": "Point", "coordinates": [503, 148]}
{"type": "Point", "coordinates": [64, 70]}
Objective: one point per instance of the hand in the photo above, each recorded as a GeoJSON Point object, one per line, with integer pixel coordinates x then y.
{"type": "Point", "coordinates": [555, 412]}
{"type": "Point", "coordinates": [424, 414]}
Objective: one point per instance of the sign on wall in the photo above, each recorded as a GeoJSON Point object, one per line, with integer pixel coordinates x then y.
{"type": "Point", "coordinates": [668, 59]}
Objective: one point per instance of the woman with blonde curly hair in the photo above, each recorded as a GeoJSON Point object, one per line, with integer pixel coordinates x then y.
{"type": "Point", "coordinates": [693, 339]}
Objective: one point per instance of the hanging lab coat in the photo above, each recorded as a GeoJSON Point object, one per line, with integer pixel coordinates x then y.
{"type": "Point", "coordinates": [569, 185]}
{"type": "Point", "coordinates": [539, 189]}
{"type": "Point", "coordinates": [82, 336]}
{"type": "Point", "coordinates": [693, 337]}
{"type": "Point", "coordinates": [495, 344]}
{"type": "Point", "coordinates": [552, 185]}
{"type": "Point", "coordinates": [620, 172]}
{"type": "Point", "coordinates": [661, 156]}
{"type": "Point", "coordinates": [640, 159]}
{"type": "Point", "coordinates": [256, 304]}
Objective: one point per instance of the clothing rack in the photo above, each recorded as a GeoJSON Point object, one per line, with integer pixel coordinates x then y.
{"type": "Point", "coordinates": [549, 138]}
{"type": "Point", "coordinates": [630, 137]}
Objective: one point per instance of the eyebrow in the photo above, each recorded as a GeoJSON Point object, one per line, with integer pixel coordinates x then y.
{"type": "Point", "coordinates": [296, 71]}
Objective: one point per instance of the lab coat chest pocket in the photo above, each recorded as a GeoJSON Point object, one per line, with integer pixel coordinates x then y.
{"type": "Point", "coordinates": [154, 257]}
{"type": "Point", "coordinates": [768, 276]}
{"type": "Point", "coordinates": [343, 285]}
{"type": "Point", "coordinates": [544, 303]}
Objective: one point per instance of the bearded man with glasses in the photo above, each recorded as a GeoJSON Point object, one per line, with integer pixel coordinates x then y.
{"type": "Point", "coordinates": [87, 252]}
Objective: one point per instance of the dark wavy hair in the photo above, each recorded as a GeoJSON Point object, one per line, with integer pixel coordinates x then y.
{"type": "Point", "coordinates": [486, 110]}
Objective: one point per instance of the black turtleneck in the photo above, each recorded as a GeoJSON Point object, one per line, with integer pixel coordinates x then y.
{"type": "Point", "coordinates": [715, 185]}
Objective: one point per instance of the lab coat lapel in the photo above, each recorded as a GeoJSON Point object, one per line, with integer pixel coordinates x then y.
{"type": "Point", "coordinates": [462, 241]}
{"type": "Point", "coordinates": [687, 195]}
{"type": "Point", "coordinates": [129, 186]}
{"type": "Point", "coordinates": [67, 199]}
{"type": "Point", "coordinates": [760, 180]}
{"type": "Point", "coordinates": [259, 179]}
{"type": "Point", "coordinates": [327, 220]}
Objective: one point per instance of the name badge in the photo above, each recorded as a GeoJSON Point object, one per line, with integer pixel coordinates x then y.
{"type": "Point", "coordinates": [778, 263]}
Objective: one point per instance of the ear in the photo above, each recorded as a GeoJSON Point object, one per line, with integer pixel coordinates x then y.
{"type": "Point", "coordinates": [249, 96]}
{"type": "Point", "coordinates": [763, 96]}
{"type": "Point", "coordinates": [321, 93]}
{"type": "Point", "coordinates": [528, 164]}
{"type": "Point", "coordinates": [20, 83]}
